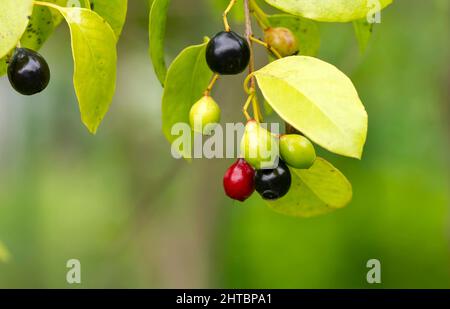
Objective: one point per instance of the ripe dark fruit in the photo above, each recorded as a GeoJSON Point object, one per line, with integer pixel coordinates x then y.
{"type": "Point", "coordinates": [28, 72]}
{"type": "Point", "coordinates": [273, 184]}
{"type": "Point", "coordinates": [239, 181]}
{"type": "Point", "coordinates": [282, 39]}
{"type": "Point", "coordinates": [227, 53]}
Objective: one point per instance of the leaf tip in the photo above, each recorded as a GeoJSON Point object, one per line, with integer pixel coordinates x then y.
{"type": "Point", "coordinates": [92, 127]}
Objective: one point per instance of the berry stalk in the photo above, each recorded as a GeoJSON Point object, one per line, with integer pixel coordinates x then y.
{"type": "Point", "coordinates": [251, 67]}
{"type": "Point", "coordinates": [267, 46]}
{"type": "Point", "coordinates": [259, 15]}
{"type": "Point", "coordinates": [225, 15]}
{"type": "Point", "coordinates": [211, 84]}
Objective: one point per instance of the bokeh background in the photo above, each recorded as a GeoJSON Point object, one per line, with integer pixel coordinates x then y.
{"type": "Point", "coordinates": [137, 218]}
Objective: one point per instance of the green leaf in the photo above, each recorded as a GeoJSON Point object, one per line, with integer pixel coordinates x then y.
{"type": "Point", "coordinates": [363, 32]}
{"type": "Point", "coordinates": [113, 11]}
{"type": "Point", "coordinates": [187, 78]}
{"type": "Point", "coordinates": [157, 32]}
{"type": "Point", "coordinates": [5, 256]}
{"type": "Point", "coordinates": [13, 22]}
{"type": "Point", "coordinates": [57, 17]}
{"type": "Point", "coordinates": [39, 28]}
{"type": "Point", "coordinates": [306, 31]}
{"type": "Point", "coordinates": [318, 100]}
{"type": "Point", "coordinates": [95, 56]}
{"type": "Point", "coordinates": [316, 191]}
{"type": "Point", "coordinates": [330, 10]}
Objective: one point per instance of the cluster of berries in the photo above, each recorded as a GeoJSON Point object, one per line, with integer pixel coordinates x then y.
{"type": "Point", "coordinates": [228, 53]}
{"type": "Point", "coordinates": [265, 157]}
{"type": "Point", "coordinates": [264, 166]}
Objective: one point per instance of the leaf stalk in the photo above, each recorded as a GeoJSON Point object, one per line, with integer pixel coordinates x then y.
{"type": "Point", "coordinates": [251, 67]}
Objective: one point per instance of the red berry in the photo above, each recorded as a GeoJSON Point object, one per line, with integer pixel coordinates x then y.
{"type": "Point", "coordinates": [239, 180]}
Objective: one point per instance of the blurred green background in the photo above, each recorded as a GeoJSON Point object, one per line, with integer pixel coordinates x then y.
{"type": "Point", "coordinates": [137, 218]}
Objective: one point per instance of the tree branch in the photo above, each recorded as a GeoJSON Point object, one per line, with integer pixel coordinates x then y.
{"type": "Point", "coordinates": [249, 34]}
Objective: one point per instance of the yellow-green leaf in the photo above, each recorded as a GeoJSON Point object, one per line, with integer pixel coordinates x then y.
{"type": "Point", "coordinates": [113, 11]}
{"type": "Point", "coordinates": [331, 10]}
{"type": "Point", "coordinates": [39, 28]}
{"type": "Point", "coordinates": [316, 191]}
{"type": "Point", "coordinates": [157, 32]}
{"type": "Point", "coordinates": [95, 56]}
{"type": "Point", "coordinates": [57, 17]}
{"type": "Point", "coordinates": [187, 78]}
{"type": "Point", "coordinates": [5, 256]}
{"type": "Point", "coordinates": [13, 22]}
{"type": "Point", "coordinates": [318, 100]}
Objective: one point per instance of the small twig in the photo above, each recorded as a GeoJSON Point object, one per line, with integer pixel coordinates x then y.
{"type": "Point", "coordinates": [225, 15]}
{"type": "Point", "coordinates": [260, 15]}
{"type": "Point", "coordinates": [267, 46]}
{"type": "Point", "coordinates": [246, 106]}
{"type": "Point", "coordinates": [211, 84]}
{"type": "Point", "coordinates": [248, 89]}
{"type": "Point", "coordinates": [51, 5]}
{"type": "Point", "coordinates": [256, 110]}
{"type": "Point", "coordinates": [249, 34]}
{"type": "Point", "coordinates": [260, 115]}
{"type": "Point", "coordinates": [251, 67]}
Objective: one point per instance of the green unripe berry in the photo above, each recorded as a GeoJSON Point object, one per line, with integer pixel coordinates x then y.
{"type": "Point", "coordinates": [297, 151]}
{"type": "Point", "coordinates": [259, 147]}
{"type": "Point", "coordinates": [282, 39]}
{"type": "Point", "coordinates": [204, 115]}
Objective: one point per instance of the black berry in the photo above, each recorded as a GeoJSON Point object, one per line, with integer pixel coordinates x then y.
{"type": "Point", "coordinates": [227, 53]}
{"type": "Point", "coordinates": [28, 72]}
{"type": "Point", "coordinates": [273, 184]}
